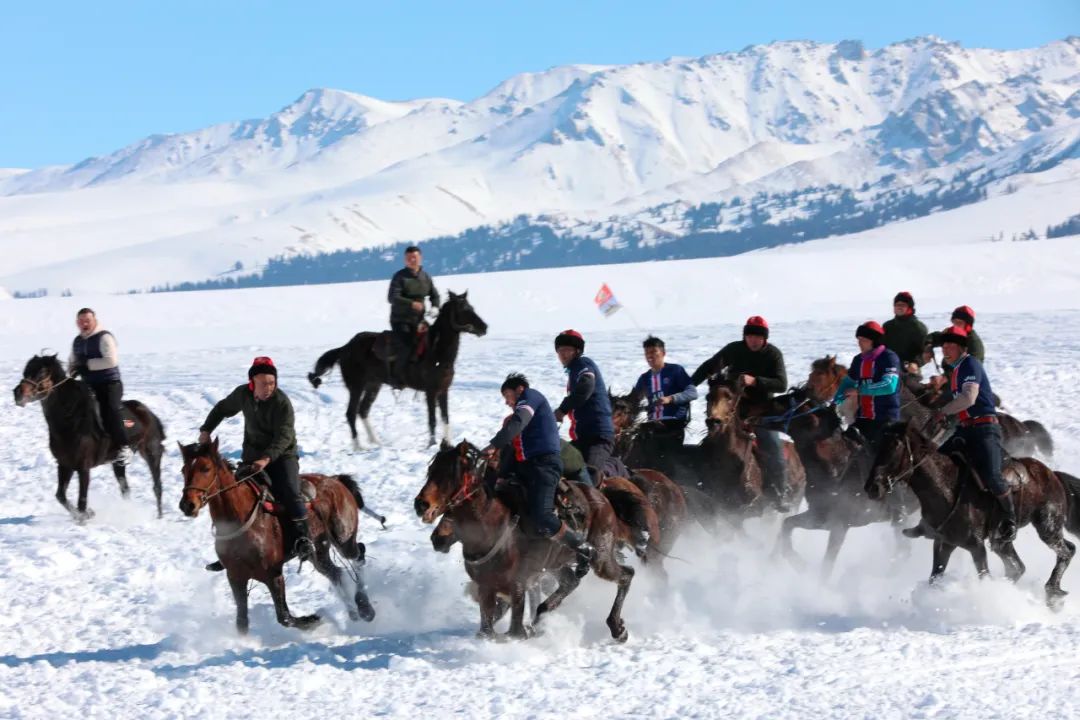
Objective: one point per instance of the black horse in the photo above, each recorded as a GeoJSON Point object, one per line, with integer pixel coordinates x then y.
{"type": "Point", "coordinates": [364, 365]}
{"type": "Point", "coordinates": [77, 437]}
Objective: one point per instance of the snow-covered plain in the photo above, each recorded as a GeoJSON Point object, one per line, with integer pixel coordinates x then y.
{"type": "Point", "coordinates": [118, 619]}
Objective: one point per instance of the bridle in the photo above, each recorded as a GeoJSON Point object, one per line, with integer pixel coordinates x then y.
{"type": "Point", "coordinates": [36, 385]}
{"type": "Point", "coordinates": [472, 479]}
{"type": "Point", "coordinates": [209, 493]}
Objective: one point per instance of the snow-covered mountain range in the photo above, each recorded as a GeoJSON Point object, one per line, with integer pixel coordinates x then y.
{"type": "Point", "coordinates": [805, 138]}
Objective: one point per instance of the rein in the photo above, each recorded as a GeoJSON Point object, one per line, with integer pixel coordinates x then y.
{"type": "Point", "coordinates": [207, 496]}
{"type": "Point", "coordinates": [38, 383]}
{"type": "Point", "coordinates": [504, 539]}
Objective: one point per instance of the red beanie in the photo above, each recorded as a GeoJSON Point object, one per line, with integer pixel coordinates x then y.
{"type": "Point", "coordinates": [965, 313]}
{"type": "Point", "coordinates": [570, 338]}
{"type": "Point", "coordinates": [756, 325]}
{"type": "Point", "coordinates": [956, 335]}
{"type": "Point", "coordinates": [872, 331]}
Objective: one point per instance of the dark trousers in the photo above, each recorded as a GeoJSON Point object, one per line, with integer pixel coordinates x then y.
{"type": "Point", "coordinates": [285, 484]}
{"type": "Point", "coordinates": [668, 435]}
{"type": "Point", "coordinates": [402, 344]}
{"type": "Point", "coordinates": [596, 449]}
{"type": "Point", "coordinates": [872, 431]}
{"type": "Point", "coordinates": [540, 476]}
{"type": "Point", "coordinates": [772, 453]}
{"type": "Point", "coordinates": [982, 445]}
{"type": "Point", "coordinates": [110, 397]}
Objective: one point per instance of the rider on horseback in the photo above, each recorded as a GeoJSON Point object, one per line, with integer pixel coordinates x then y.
{"type": "Point", "coordinates": [963, 317]}
{"type": "Point", "coordinates": [978, 432]}
{"type": "Point", "coordinates": [668, 392]}
{"type": "Point", "coordinates": [408, 289]}
{"type": "Point", "coordinates": [94, 356]}
{"type": "Point", "coordinates": [871, 389]}
{"type": "Point", "coordinates": [760, 366]}
{"type": "Point", "coordinates": [905, 334]}
{"type": "Point", "coordinates": [535, 461]}
{"type": "Point", "coordinates": [587, 403]}
{"type": "Point", "coordinates": [269, 442]}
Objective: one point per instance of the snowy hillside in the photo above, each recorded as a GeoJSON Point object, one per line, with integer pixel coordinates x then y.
{"type": "Point", "coordinates": [639, 154]}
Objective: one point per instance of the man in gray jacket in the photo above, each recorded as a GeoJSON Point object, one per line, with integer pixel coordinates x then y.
{"type": "Point", "coordinates": [94, 356]}
{"type": "Point", "coordinates": [408, 289]}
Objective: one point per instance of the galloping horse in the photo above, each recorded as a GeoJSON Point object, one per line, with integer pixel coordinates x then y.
{"type": "Point", "coordinates": [501, 558]}
{"type": "Point", "coordinates": [365, 372]}
{"type": "Point", "coordinates": [77, 438]}
{"type": "Point", "coordinates": [956, 513]}
{"type": "Point", "coordinates": [249, 540]}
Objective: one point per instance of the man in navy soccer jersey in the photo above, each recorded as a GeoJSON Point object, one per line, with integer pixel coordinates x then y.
{"type": "Point", "coordinates": [668, 392]}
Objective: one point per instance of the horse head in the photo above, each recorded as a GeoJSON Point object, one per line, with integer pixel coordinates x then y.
{"type": "Point", "coordinates": [721, 404]}
{"type": "Point", "coordinates": [41, 375]}
{"type": "Point", "coordinates": [624, 411]}
{"type": "Point", "coordinates": [452, 478]}
{"type": "Point", "coordinates": [460, 316]}
{"type": "Point", "coordinates": [204, 472]}
{"type": "Point", "coordinates": [895, 460]}
{"type": "Point", "coordinates": [443, 536]}
{"type": "Point", "coordinates": [824, 379]}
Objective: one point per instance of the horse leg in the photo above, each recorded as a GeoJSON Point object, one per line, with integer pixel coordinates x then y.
{"type": "Point", "coordinates": [487, 614]}
{"type": "Point", "coordinates": [1014, 566]}
{"type": "Point", "coordinates": [1050, 533]}
{"type": "Point", "coordinates": [84, 513]}
{"type": "Point", "coordinates": [610, 569]}
{"type": "Point", "coordinates": [978, 555]}
{"type": "Point", "coordinates": [808, 520]}
{"type": "Point", "coordinates": [353, 551]}
{"type": "Point", "coordinates": [568, 581]}
{"type": "Point", "coordinates": [281, 607]}
{"type": "Point", "coordinates": [837, 533]}
{"type": "Point", "coordinates": [370, 393]}
{"type": "Point", "coordinates": [430, 397]}
{"type": "Point", "coordinates": [444, 410]}
{"type": "Point", "coordinates": [120, 471]}
{"type": "Point", "coordinates": [533, 594]}
{"type": "Point", "coordinates": [153, 459]}
{"type": "Point", "coordinates": [63, 479]}
{"type": "Point", "coordinates": [517, 613]}
{"type": "Point", "coordinates": [942, 552]}
{"type": "Point", "coordinates": [240, 597]}
{"type": "Point", "coordinates": [326, 567]}
{"type": "Point", "coordinates": [350, 416]}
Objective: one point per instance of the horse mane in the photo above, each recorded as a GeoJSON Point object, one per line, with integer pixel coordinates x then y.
{"type": "Point", "coordinates": [206, 450]}
{"type": "Point", "coordinates": [828, 364]}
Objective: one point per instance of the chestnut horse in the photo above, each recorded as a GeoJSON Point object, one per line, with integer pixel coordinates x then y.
{"type": "Point", "coordinates": [956, 513]}
{"type": "Point", "coordinates": [250, 541]}
{"type": "Point", "coordinates": [77, 438]}
{"type": "Point", "coordinates": [501, 558]}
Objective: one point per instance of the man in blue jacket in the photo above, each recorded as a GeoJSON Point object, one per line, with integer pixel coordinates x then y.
{"type": "Point", "coordinates": [872, 384]}
{"type": "Point", "coordinates": [529, 449]}
{"type": "Point", "coordinates": [668, 392]}
{"type": "Point", "coordinates": [586, 404]}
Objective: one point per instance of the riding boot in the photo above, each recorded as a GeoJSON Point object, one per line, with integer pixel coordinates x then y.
{"type": "Point", "coordinates": [303, 547]}
{"type": "Point", "coordinates": [1007, 526]}
{"type": "Point", "coordinates": [577, 542]}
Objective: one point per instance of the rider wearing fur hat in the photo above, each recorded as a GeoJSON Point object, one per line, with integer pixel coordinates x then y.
{"type": "Point", "coordinates": [269, 440]}
{"type": "Point", "coordinates": [977, 433]}
{"type": "Point", "coordinates": [905, 334]}
{"type": "Point", "coordinates": [871, 389]}
{"type": "Point", "coordinates": [760, 366]}
{"type": "Point", "coordinates": [586, 404]}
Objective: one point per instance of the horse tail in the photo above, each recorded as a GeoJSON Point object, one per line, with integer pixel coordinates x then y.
{"type": "Point", "coordinates": [1041, 435]}
{"type": "Point", "coordinates": [325, 362]}
{"type": "Point", "coordinates": [634, 510]}
{"type": "Point", "coordinates": [160, 426]}
{"type": "Point", "coordinates": [353, 489]}
{"type": "Point", "coordinates": [1072, 491]}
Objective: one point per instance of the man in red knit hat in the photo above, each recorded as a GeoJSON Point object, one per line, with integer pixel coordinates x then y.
{"type": "Point", "coordinates": [760, 366]}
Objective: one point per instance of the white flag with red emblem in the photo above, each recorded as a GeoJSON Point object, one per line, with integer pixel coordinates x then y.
{"type": "Point", "coordinates": [605, 301]}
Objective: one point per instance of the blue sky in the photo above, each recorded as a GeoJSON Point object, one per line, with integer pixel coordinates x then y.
{"type": "Point", "coordinates": [85, 78]}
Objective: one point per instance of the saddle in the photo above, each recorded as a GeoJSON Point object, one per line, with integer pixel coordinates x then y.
{"type": "Point", "coordinates": [308, 493]}
{"type": "Point", "coordinates": [512, 494]}
{"type": "Point", "coordinates": [132, 425]}
{"type": "Point", "coordinates": [383, 346]}
{"type": "Point", "coordinates": [1013, 471]}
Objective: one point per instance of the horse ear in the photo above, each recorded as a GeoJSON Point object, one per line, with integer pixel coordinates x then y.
{"type": "Point", "coordinates": [214, 445]}
{"type": "Point", "coordinates": [184, 452]}
{"type": "Point", "coordinates": [464, 295]}
{"type": "Point", "coordinates": [445, 445]}
{"type": "Point", "coordinates": [452, 294]}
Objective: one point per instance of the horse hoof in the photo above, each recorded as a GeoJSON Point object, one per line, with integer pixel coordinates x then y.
{"type": "Point", "coordinates": [241, 629]}
{"type": "Point", "coordinates": [485, 635]}
{"type": "Point", "coordinates": [364, 608]}
{"type": "Point", "coordinates": [306, 622]}
{"type": "Point", "coordinates": [618, 632]}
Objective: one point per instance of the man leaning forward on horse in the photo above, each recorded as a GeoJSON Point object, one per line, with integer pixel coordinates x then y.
{"type": "Point", "coordinates": [528, 444]}
{"type": "Point", "coordinates": [269, 442]}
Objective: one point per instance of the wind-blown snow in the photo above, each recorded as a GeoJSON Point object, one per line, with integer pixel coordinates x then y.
{"type": "Point", "coordinates": [582, 143]}
{"type": "Point", "coordinates": [117, 618]}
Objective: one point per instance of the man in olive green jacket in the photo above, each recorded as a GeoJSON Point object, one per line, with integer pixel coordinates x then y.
{"type": "Point", "coordinates": [409, 287]}
{"type": "Point", "coordinates": [269, 441]}
{"type": "Point", "coordinates": [905, 334]}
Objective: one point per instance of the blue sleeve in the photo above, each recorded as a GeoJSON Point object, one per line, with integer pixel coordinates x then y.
{"type": "Point", "coordinates": [885, 386]}
{"type": "Point", "coordinates": [846, 384]}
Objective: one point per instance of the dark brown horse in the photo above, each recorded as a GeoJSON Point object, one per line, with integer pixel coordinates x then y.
{"type": "Point", "coordinates": [501, 558]}
{"type": "Point", "coordinates": [957, 513]}
{"type": "Point", "coordinates": [836, 470]}
{"type": "Point", "coordinates": [249, 539]}
{"type": "Point", "coordinates": [734, 471]}
{"type": "Point", "coordinates": [77, 437]}
{"type": "Point", "coordinates": [364, 366]}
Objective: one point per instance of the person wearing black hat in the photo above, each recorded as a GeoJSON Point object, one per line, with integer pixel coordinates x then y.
{"type": "Point", "coordinates": [905, 334]}
{"type": "Point", "coordinates": [977, 434]}
{"type": "Point", "coordinates": [269, 441]}
{"type": "Point", "coordinates": [409, 287]}
{"type": "Point", "coordinates": [586, 404]}
{"type": "Point", "coordinates": [963, 317]}
{"type": "Point", "coordinates": [760, 366]}
{"type": "Point", "coordinates": [872, 384]}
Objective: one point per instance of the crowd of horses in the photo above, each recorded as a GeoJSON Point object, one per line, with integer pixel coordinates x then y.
{"type": "Point", "coordinates": [714, 483]}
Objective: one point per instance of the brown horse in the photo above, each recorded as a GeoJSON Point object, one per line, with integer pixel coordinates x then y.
{"type": "Point", "coordinates": [249, 540]}
{"type": "Point", "coordinates": [77, 438]}
{"type": "Point", "coordinates": [956, 513]}
{"type": "Point", "coordinates": [735, 473]}
{"type": "Point", "coordinates": [364, 366]}
{"type": "Point", "coordinates": [501, 558]}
